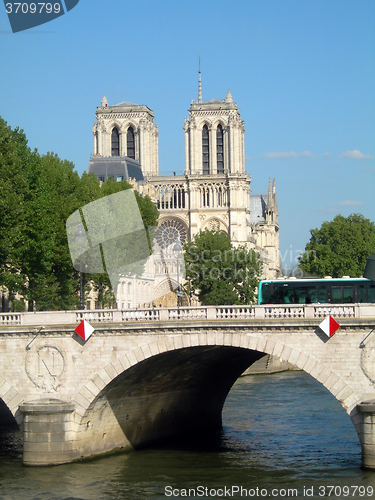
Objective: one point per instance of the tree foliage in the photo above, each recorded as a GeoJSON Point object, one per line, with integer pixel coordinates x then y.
{"type": "Point", "coordinates": [101, 283]}
{"type": "Point", "coordinates": [340, 247]}
{"type": "Point", "coordinates": [218, 273]}
{"type": "Point", "coordinates": [37, 195]}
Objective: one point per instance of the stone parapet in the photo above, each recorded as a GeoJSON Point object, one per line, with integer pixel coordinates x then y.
{"type": "Point", "coordinates": [43, 319]}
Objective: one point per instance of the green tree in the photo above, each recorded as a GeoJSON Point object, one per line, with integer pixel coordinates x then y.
{"type": "Point", "coordinates": [50, 280]}
{"type": "Point", "coordinates": [101, 283]}
{"type": "Point", "coordinates": [37, 195]}
{"type": "Point", "coordinates": [339, 248]}
{"type": "Point", "coordinates": [16, 160]}
{"type": "Point", "coordinates": [219, 273]}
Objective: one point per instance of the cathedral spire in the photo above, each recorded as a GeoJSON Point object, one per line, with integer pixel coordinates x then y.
{"type": "Point", "coordinates": [271, 206]}
{"type": "Point", "coordinates": [104, 101]}
{"type": "Point", "coordinates": [274, 198]}
{"type": "Point", "coordinates": [229, 97]}
{"type": "Point", "coordinates": [270, 198]}
{"type": "Point", "coordinates": [199, 82]}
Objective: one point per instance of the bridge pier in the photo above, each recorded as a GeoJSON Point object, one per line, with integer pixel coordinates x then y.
{"type": "Point", "coordinates": [48, 432]}
{"type": "Point", "coordinates": [367, 433]}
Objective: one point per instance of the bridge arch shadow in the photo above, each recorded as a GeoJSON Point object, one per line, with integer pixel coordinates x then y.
{"type": "Point", "coordinates": [178, 386]}
{"type": "Point", "coordinates": [10, 399]}
{"type": "Point", "coordinates": [10, 417]}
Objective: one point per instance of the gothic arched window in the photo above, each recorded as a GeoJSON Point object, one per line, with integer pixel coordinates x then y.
{"type": "Point", "coordinates": [219, 197]}
{"type": "Point", "coordinates": [219, 150]}
{"type": "Point", "coordinates": [115, 142]}
{"type": "Point", "coordinates": [130, 144]}
{"type": "Point", "coordinates": [205, 150]}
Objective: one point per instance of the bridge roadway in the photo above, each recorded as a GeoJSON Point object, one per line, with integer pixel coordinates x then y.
{"type": "Point", "coordinates": [147, 375]}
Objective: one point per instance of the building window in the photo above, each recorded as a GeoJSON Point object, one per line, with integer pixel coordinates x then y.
{"type": "Point", "coordinates": [219, 197]}
{"type": "Point", "coordinates": [205, 150]}
{"type": "Point", "coordinates": [115, 141]}
{"type": "Point", "coordinates": [219, 150]}
{"type": "Point", "coordinates": [101, 178]}
{"type": "Point", "coordinates": [130, 145]}
{"type": "Point", "coordinates": [119, 178]}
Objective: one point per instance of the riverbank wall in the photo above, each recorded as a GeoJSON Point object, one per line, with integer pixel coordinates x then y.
{"type": "Point", "coordinates": [268, 364]}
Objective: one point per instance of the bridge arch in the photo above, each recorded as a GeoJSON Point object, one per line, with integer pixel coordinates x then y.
{"type": "Point", "coordinates": [10, 397]}
{"type": "Point", "coordinates": [122, 406]}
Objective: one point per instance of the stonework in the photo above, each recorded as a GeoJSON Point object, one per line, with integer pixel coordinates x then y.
{"type": "Point", "coordinates": [134, 382]}
{"type": "Point", "coordinates": [214, 190]}
{"type": "Point", "coordinates": [136, 136]}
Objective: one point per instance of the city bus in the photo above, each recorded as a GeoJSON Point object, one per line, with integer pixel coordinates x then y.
{"type": "Point", "coordinates": [317, 291]}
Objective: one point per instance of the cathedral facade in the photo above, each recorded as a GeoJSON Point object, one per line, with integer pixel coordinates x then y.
{"type": "Point", "coordinates": [214, 190]}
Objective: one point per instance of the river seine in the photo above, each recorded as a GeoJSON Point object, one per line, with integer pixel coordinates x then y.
{"type": "Point", "coordinates": [284, 436]}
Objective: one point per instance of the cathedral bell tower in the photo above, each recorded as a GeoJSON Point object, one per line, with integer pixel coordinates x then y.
{"type": "Point", "coordinates": [214, 137]}
{"type": "Point", "coordinates": [215, 167]}
{"type": "Point", "coordinates": [127, 130]}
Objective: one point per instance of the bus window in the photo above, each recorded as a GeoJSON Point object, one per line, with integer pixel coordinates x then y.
{"type": "Point", "coordinates": [299, 296]}
{"type": "Point", "coordinates": [317, 291]}
{"type": "Point", "coordinates": [306, 295]}
{"type": "Point", "coordinates": [348, 294]}
{"type": "Point", "coordinates": [361, 294]}
{"type": "Point", "coordinates": [266, 293]}
{"type": "Point", "coordinates": [280, 295]}
{"type": "Point", "coordinates": [322, 295]}
{"type": "Point", "coordinates": [311, 295]}
{"type": "Point", "coordinates": [336, 295]}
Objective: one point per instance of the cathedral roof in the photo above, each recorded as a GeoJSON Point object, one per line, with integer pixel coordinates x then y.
{"type": "Point", "coordinates": [258, 204]}
{"type": "Point", "coordinates": [124, 104]}
{"type": "Point", "coordinates": [223, 104]}
{"type": "Point", "coordinates": [115, 166]}
{"type": "Point", "coordinates": [213, 101]}
{"type": "Point", "coordinates": [123, 107]}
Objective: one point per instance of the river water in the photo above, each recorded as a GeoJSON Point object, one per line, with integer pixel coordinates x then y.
{"type": "Point", "coordinates": [284, 436]}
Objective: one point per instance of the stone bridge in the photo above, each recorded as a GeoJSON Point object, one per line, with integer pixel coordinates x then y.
{"type": "Point", "coordinates": [148, 375]}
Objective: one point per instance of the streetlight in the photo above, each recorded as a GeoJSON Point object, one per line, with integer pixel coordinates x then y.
{"type": "Point", "coordinates": [177, 248]}
{"type": "Point", "coordinates": [80, 235]}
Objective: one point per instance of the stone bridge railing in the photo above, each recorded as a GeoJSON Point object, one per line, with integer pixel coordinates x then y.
{"type": "Point", "coordinates": [254, 312]}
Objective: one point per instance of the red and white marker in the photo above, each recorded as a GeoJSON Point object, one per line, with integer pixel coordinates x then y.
{"type": "Point", "coordinates": [329, 326]}
{"type": "Point", "coordinates": [84, 330]}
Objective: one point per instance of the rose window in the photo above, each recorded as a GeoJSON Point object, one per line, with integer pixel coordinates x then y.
{"type": "Point", "coordinates": [169, 232]}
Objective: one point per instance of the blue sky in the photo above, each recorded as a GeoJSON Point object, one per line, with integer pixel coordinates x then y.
{"type": "Point", "coordinates": [302, 72]}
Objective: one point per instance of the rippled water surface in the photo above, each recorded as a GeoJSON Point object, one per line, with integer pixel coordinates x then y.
{"type": "Point", "coordinates": [281, 432]}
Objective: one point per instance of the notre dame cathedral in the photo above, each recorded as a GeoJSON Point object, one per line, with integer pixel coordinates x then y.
{"type": "Point", "coordinates": [213, 192]}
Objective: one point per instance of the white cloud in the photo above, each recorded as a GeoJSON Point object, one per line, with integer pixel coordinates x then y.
{"type": "Point", "coordinates": [326, 154]}
{"type": "Point", "coordinates": [355, 155]}
{"type": "Point", "coordinates": [349, 203]}
{"type": "Point", "coordinates": [331, 208]}
{"type": "Point", "coordinates": [290, 154]}
{"type": "Point", "coordinates": [327, 209]}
